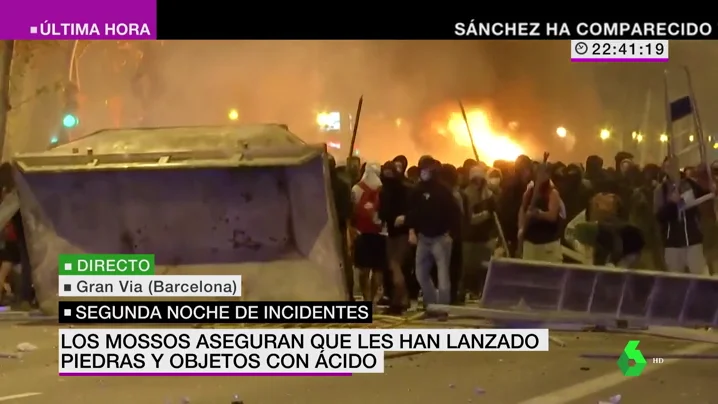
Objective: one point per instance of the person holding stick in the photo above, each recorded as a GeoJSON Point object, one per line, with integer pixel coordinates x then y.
{"type": "Point", "coordinates": [540, 217]}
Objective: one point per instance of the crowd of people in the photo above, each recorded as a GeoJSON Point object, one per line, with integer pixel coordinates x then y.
{"type": "Point", "coordinates": [432, 228]}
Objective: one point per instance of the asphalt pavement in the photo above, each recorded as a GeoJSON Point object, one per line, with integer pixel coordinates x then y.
{"type": "Point", "coordinates": [560, 376]}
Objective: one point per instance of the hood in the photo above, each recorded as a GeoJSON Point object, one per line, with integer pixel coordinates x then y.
{"type": "Point", "coordinates": [371, 176]}
{"type": "Point", "coordinates": [620, 157]}
{"type": "Point", "coordinates": [594, 165]}
{"type": "Point", "coordinates": [494, 173]}
{"type": "Point", "coordinates": [402, 160]}
{"type": "Point", "coordinates": [477, 172]}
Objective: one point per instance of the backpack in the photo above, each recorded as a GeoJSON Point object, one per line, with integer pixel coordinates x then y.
{"type": "Point", "coordinates": [604, 206]}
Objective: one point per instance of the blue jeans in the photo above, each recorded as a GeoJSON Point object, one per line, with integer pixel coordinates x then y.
{"type": "Point", "coordinates": [430, 251]}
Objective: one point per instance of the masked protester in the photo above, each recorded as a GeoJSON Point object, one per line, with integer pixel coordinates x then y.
{"type": "Point", "coordinates": [370, 244]}
{"type": "Point", "coordinates": [343, 210]}
{"type": "Point", "coordinates": [541, 221]}
{"type": "Point", "coordinates": [573, 192]}
{"type": "Point", "coordinates": [393, 206]}
{"type": "Point", "coordinates": [400, 164]}
{"type": "Point", "coordinates": [432, 218]}
{"type": "Point", "coordinates": [479, 229]}
{"type": "Point", "coordinates": [511, 196]}
{"type": "Point", "coordinates": [493, 181]}
{"type": "Point", "coordinates": [449, 177]}
{"type": "Point", "coordinates": [469, 164]}
{"type": "Point", "coordinates": [643, 218]}
{"type": "Point", "coordinates": [680, 225]}
{"type": "Point", "coordinates": [354, 169]}
{"type": "Point", "coordinates": [557, 172]}
{"type": "Point", "coordinates": [708, 222]}
{"type": "Point", "coordinates": [594, 175]}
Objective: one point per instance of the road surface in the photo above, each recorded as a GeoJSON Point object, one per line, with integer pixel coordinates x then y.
{"type": "Point", "coordinates": [556, 377]}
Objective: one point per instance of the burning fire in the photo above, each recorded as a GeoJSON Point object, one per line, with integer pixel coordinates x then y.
{"type": "Point", "coordinates": [490, 144]}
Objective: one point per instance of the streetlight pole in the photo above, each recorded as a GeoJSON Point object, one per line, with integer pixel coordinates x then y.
{"type": "Point", "coordinates": [6, 52]}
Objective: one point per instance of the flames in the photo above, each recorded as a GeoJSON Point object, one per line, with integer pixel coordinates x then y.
{"type": "Point", "coordinates": [491, 145]}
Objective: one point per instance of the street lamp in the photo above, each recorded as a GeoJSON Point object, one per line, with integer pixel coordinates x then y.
{"type": "Point", "coordinates": [233, 115]}
{"type": "Point", "coordinates": [605, 134]}
{"type": "Point", "coordinates": [663, 138]}
{"type": "Point", "coordinates": [561, 132]}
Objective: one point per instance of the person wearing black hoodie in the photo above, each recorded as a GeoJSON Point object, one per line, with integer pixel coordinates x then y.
{"type": "Point", "coordinates": [627, 179]}
{"type": "Point", "coordinates": [594, 175]}
{"type": "Point", "coordinates": [449, 176]}
{"type": "Point", "coordinates": [680, 225]}
{"type": "Point", "coordinates": [432, 217]}
{"type": "Point", "coordinates": [393, 206]}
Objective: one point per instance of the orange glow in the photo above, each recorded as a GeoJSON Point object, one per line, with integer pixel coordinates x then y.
{"type": "Point", "coordinates": [491, 145]}
{"type": "Point", "coordinates": [323, 119]}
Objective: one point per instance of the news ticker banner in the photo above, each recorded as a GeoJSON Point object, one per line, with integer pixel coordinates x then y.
{"type": "Point", "coordinates": [79, 19]}
{"type": "Point", "coordinates": [160, 19]}
{"type": "Point", "coordinates": [133, 275]}
{"type": "Point", "coordinates": [264, 352]}
{"type": "Point", "coordinates": [185, 23]}
{"type": "Point", "coordinates": [199, 312]}
{"type": "Point", "coordinates": [607, 50]}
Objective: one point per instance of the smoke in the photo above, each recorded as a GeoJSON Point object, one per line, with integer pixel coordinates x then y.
{"type": "Point", "coordinates": [288, 82]}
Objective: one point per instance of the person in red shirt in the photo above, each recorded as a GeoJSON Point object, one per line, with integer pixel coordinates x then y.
{"type": "Point", "coordinates": [370, 245]}
{"type": "Point", "coordinates": [9, 255]}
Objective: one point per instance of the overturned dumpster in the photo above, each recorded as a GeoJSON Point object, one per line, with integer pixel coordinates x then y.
{"type": "Point", "coordinates": [250, 200]}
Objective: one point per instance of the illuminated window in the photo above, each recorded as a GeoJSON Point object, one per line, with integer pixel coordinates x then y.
{"type": "Point", "coordinates": [329, 121]}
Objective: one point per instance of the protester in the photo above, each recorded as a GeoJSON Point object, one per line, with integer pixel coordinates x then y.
{"type": "Point", "coordinates": [680, 225]}
{"type": "Point", "coordinates": [431, 219]}
{"type": "Point", "coordinates": [370, 245]}
{"type": "Point", "coordinates": [493, 180]}
{"type": "Point", "coordinates": [401, 164]}
{"type": "Point", "coordinates": [9, 257]}
{"type": "Point", "coordinates": [478, 231]}
{"type": "Point", "coordinates": [10, 240]}
{"type": "Point", "coordinates": [449, 176]}
{"type": "Point", "coordinates": [511, 198]}
{"type": "Point", "coordinates": [540, 221]}
{"type": "Point", "coordinates": [393, 206]}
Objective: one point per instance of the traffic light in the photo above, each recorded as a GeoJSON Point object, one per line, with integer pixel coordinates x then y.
{"type": "Point", "coordinates": [70, 121]}
{"type": "Point", "coordinates": [69, 116]}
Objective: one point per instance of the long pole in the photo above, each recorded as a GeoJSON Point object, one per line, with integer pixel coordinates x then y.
{"type": "Point", "coordinates": [468, 130]}
{"type": "Point", "coordinates": [645, 128]}
{"type": "Point", "coordinates": [497, 222]}
{"type": "Point", "coordinates": [673, 167]}
{"type": "Point", "coordinates": [6, 52]}
{"type": "Point", "coordinates": [355, 126]}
